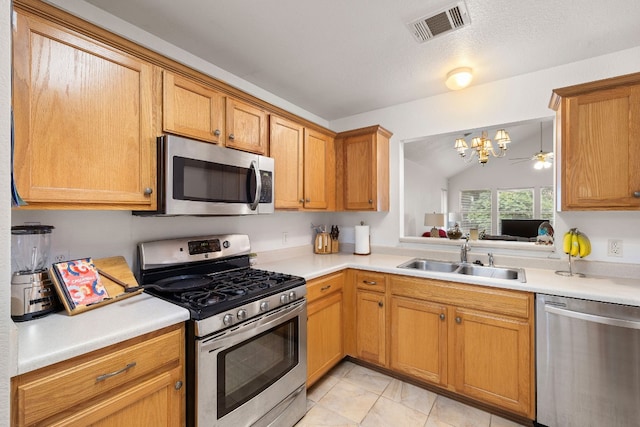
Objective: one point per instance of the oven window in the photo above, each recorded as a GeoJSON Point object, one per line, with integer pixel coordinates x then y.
{"type": "Point", "coordinates": [252, 366]}
{"type": "Point", "coordinates": [212, 182]}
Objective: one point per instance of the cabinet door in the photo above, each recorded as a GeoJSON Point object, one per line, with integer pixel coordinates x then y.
{"type": "Point", "coordinates": [493, 359]}
{"type": "Point", "coordinates": [246, 127]}
{"type": "Point", "coordinates": [370, 327]}
{"type": "Point", "coordinates": [324, 336]}
{"type": "Point", "coordinates": [316, 152]}
{"type": "Point", "coordinates": [84, 130]}
{"type": "Point", "coordinates": [601, 150]}
{"type": "Point", "coordinates": [419, 339]}
{"type": "Point", "coordinates": [359, 173]}
{"type": "Point", "coordinates": [287, 139]}
{"type": "Point", "coordinates": [191, 109]}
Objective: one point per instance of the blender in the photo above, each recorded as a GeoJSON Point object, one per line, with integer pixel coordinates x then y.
{"type": "Point", "coordinates": [32, 293]}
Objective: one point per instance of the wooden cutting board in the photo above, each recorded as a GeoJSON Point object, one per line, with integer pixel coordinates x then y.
{"type": "Point", "coordinates": [117, 267]}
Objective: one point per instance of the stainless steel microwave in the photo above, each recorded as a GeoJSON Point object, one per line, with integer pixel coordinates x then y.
{"type": "Point", "coordinates": [200, 178]}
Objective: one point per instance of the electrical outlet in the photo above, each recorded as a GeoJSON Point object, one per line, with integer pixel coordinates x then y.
{"type": "Point", "coordinates": [284, 237]}
{"type": "Point", "coordinates": [614, 248]}
{"type": "Point", "coordinates": [61, 256]}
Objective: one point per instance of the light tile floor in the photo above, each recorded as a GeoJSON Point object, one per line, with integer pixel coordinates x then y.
{"type": "Point", "coordinates": [352, 395]}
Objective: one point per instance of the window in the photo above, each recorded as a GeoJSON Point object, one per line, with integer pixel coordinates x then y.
{"type": "Point", "coordinates": [475, 207]}
{"type": "Point", "coordinates": [515, 204]}
{"type": "Point", "coordinates": [546, 203]}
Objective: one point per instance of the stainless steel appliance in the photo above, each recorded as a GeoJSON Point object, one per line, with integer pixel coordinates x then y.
{"type": "Point", "coordinates": [588, 363]}
{"type": "Point", "coordinates": [32, 293]}
{"type": "Point", "coordinates": [200, 178]}
{"type": "Point", "coordinates": [247, 336]}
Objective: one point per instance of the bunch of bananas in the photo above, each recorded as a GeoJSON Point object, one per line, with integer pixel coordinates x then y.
{"type": "Point", "coordinates": [576, 243]}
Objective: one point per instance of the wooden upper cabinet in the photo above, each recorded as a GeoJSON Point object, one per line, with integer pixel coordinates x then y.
{"type": "Point", "coordinates": [363, 169]}
{"type": "Point", "coordinates": [304, 166]}
{"type": "Point", "coordinates": [191, 109]}
{"type": "Point", "coordinates": [84, 128]}
{"type": "Point", "coordinates": [246, 127]}
{"type": "Point", "coordinates": [599, 139]}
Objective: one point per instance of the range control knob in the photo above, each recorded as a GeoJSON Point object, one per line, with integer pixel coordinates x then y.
{"type": "Point", "coordinates": [264, 306]}
{"type": "Point", "coordinates": [242, 314]}
{"type": "Point", "coordinates": [227, 319]}
{"type": "Point", "coordinates": [284, 298]}
{"type": "Point", "coordinates": [292, 296]}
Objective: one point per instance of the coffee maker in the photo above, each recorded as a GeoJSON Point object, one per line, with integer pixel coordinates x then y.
{"type": "Point", "coordinates": [32, 293]}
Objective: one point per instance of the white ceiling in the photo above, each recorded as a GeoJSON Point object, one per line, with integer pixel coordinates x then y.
{"type": "Point", "coordinates": [336, 58]}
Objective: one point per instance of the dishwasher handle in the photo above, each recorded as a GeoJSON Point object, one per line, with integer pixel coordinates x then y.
{"type": "Point", "coordinates": [630, 324]}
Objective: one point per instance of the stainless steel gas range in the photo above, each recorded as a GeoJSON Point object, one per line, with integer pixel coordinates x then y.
{"type": "Point", "coordinates": [246, 340]}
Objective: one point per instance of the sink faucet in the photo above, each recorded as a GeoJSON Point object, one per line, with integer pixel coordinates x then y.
{"type": "Point", "coordinates": [490, 259]}
{"type": "Point", "coordinates": [463, 250]}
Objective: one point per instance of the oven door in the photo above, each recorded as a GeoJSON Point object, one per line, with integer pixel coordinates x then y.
{"type": "Point", "coordinates": [254, 373]}
{"type": "Point", "coordinates": [199, 178]}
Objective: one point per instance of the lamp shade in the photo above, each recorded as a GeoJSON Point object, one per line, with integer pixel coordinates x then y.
{"type": "Point", "coordinates": [434, 219]}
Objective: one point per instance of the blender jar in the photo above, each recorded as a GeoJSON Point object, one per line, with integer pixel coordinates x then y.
{"type": "Point", "coordinates": [30, 247]}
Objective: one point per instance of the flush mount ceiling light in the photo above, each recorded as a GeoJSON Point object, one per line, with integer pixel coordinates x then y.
{"type": "Point", "coordinates": [459, 78]}
{"type": "Point", "coordinates": [483, 147]}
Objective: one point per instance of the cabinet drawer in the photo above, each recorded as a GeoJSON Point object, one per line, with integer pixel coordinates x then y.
{"type": "Point", "coordinates": [494, 300]}
{"type": "Point", "coordinates": [317, 288]}
{"type": "Point", "coordinates": [376, 282]}
{"type": "Point", "coordinates": [51, 390]}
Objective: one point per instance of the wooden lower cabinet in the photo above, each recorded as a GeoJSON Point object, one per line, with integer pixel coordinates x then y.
{"type": "Point", "coordinates": [370, 327]}
{"type": "Point", "coordinates": [324, 325]}
{"type": "Point", "coordinates": [473, 340]}
{"type": "Point", "coordinates": [138, 382]}
{"type": "Point", "coordinates": [419, 339]}
{"type": "Point", "coordinates": [493, 358]}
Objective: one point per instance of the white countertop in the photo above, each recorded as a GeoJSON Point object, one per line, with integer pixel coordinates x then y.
{"type": "Point", "coordinates": [607, 289]}
{"type": "Point", "coordinates": [58, 336]}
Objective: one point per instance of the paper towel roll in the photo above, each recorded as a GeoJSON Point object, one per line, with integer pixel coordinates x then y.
{"type": "Point", "coordinates": [362, 240]}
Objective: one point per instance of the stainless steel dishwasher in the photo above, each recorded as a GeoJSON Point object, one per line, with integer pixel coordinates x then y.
{"type": "Point", "coordinates": [588, 363]}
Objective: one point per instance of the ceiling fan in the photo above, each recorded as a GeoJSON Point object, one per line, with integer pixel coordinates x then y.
{"type": "Point", "coordinates": [542, 158]}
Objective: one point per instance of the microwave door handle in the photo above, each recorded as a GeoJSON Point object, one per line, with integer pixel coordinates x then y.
{"type": "Point", "coordinates": [253, 206]}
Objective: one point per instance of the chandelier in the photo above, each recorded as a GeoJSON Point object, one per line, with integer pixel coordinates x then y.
{"type": "Point", "coordinates": [483, 146]}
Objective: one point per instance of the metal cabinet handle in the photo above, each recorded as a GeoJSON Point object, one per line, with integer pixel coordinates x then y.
{"type": "Point", "coordinates": [324, 288]}
{"type": "Point", "coordinates": [308, 200]}
{"type": "Point", "coordinates": [380, 304]}
{"type": "Point", "coordinates": [178, 385]}
{"type": "Point", "coordinates": [216, 132]}
{"type": "Point", "coordinates": [458, 320]}
{"type": "Point", "coordinates": [369, 282]}
{"type": "Point", "coordinates": [441, 316]}
{"type": "Point", "coordinates": [370, 201]}
{"type": "Point", "coordinates": [118, 372]}
{"type": "Point", "coordinates": [636, 194]}
{"type": "Point", "coordinates": [301, 200]}
{"type": "Point", "coordinates": [148, 191]}
{"type": "Point", "coordinates": [232, 136]}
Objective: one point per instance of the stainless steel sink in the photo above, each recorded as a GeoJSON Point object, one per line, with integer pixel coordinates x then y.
{"type": "Point", "coordinates": [493, 272]}
{"type": "Point", "coordinates": [466, 269]}
{"type": "Point", "coordinates": [429, 265]}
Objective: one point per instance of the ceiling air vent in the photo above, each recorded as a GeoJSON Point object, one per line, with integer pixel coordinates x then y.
{"type": "Point", "coordinates": [451, 18]}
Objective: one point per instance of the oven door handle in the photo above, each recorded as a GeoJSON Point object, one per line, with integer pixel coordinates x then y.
{"type": "Point", "coordinates": [252, 327]}
{"type": "Point", "coordinates": [254, 205]}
